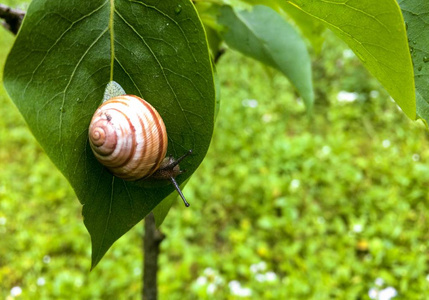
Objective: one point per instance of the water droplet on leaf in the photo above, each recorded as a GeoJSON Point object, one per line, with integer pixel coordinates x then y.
{"type": "Point", "coordinates": [419, 68]}
{"type": "Point", "coordinates": [425, 59]}
{"type": "Point", "coordinates": [178, 9]}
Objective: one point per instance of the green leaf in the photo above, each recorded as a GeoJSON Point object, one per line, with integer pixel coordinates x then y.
{"type": "Point", "coordinates": [416, 15]}
{"type": "Point", "coordinates": [63, 57]}
{"type": "Point", "coordinates": [375, 31]}
{"type": "Point", "coordinates": [311, 28]}
{"type": "Point", "coordinates": [267, 37]}
{"type": "Point", "coordinates": [161, 210]}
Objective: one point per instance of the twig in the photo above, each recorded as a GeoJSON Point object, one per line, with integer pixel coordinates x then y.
{"type": "Point", "coordinates": [219, 54]}
{"type": "Point", "coordinates": [152, 240]}
{"type": "Point", "coordinates": [12, 18]}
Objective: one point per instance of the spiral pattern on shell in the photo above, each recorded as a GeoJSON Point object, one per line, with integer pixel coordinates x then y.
{"type": "Point", "coordinates": [128, 136]}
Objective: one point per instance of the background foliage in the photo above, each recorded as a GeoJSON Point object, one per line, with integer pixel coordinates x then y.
{"type": "Point", "coordinates": [327, 207]}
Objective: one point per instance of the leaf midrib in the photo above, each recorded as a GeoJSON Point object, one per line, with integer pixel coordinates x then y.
{"type": "Point", "coordinates": [112, 38]}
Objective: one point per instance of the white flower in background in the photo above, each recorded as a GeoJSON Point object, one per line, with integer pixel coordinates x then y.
{"type": "Point", "coordinates": [260, 274]}
{"type": "Point", "coordinates": [384, 294]}
{"type": "Point", "coordinates": [46, 259]}
{"type": "Point", "coordinates": [259, 267]}
{"type": "Point", "coordinates": [234, 284]}
{"type": "Point", "coordinates": [326, 150]}
{"type": "Point", "coordinates": [211, 288]}
{"type": "Point", "coordinates": [379, 281]}
{"type": "Point", "coordinates": [266, 277]}
{"type": "Point", "coordinates": [270, 276]}
{"type": "Point", "coordinates": [358, 228]}
{"type": "Point", "coordinates": [344, 96]}
{"type": "Point", "coordinates": [3, 221]}
{"type": "Point", "coordinates": [416, 157]}
{"type": "Point", "coordinates": [294, 184]}
{"type": "Point", "coordinates": [252, 103]}
{"type": "Point", "coordinates": [237, 290]}
{"type": "Point", "coordinates": [373, 293]}
{"type": "Point", "coordinates": [260, 277]}
{"type": "Point", "coordinates": [374, 94]}
{"type": "Point", "coordinates": [266, 118]}
{"type": "Point", "coordinates": [386, 143]}
{"type": "Point", "coordinates": [388, 293]}
{"type": "Point", "coordinates": [137, 271]}
{"type": "Point", "coordinates": [208, 272]}
{"type": "Point", "coordinates": [202, 280]}
{"type": "Point", "coordinates": [210, 281]}
{"type": "Point", "coordinates": [78, 282]}
{"type": "Point", "coordinates": [321, 220]}
{"type": "Point", "coordinates": [41, 281]}
{"type": "Point", "coordinates": [16, 291]}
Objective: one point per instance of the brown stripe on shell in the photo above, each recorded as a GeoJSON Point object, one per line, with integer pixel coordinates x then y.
{"type": "Point", "coordinates": [133, 144]}
{"type": "Point", "coordinates": [144, 157]}
{"type": "Point", "coordinates": [113, 162]}
{"type": "Point", "coordinates": [155, 117]}
{"type": "Point", "coordinates": [99, 131]}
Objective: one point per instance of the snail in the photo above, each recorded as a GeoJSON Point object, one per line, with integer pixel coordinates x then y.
{"type": "Point", "coordinates": [128, 136]}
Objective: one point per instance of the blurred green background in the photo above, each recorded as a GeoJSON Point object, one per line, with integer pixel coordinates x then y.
{"type": "Point", "coordinates": [285, 206]}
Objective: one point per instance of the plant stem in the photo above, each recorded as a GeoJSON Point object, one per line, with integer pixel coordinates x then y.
{"type": "Point", "coordinates": [12, 18]}
{"type": "Point", "coordinates": [151, 242]}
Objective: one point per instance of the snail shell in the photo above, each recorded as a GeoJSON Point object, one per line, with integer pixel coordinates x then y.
{"type": "Point", "coordinates": [128, 136]}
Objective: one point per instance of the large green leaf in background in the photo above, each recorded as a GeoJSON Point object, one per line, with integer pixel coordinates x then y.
{"type": "Point", "coordinates": [375, 31]}
{"type": "Point", "coordinates": [416, 15]}
{"type": "Point", "coordinates": [65, 54]}
{"type": "Point", "coordinates": [264, 35]}
{"type": "Point", "coordinates": [311, 28]}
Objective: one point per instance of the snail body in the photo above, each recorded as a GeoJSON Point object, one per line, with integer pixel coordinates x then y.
{"type": "Point", "coordinates": [128, 136]}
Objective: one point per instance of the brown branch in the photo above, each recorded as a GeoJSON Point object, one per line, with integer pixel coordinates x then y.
{"type": "Point", "coordinates": [12, 18]}
{"type": "Point", "coordinates": [152, 240]}
{"type": "Point", "coordinates": [219, 54]}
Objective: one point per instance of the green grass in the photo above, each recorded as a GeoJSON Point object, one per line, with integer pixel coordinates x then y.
{"type": "Point", "coordinates": [327, 203]}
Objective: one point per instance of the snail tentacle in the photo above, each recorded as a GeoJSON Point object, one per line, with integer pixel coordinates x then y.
{"type": "Point", "coordinates": [174, 182]}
